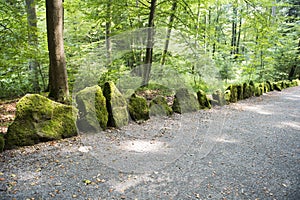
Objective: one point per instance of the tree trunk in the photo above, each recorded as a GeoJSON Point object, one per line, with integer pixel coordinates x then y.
{"type": "Point", "coordinates": [108, 32]}
{"type": "Point", "coordinates": [58, 79]}
{"type": "Point", "coordinates": [170, 25]}
{"type": "Point", "coordinates": [234, 31]}
{"type": "Point", "coordinates": [150, 43]}
{"type": "Point", "coordinates": [33, 43]}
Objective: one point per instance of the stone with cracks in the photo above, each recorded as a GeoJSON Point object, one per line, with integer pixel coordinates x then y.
{"type": "Point", "coordinates": [39, 119]}
{"type": "Point", "coordinates": [93, 115]}
{"type": "Point", "coordinates": [185, 102]}
{"type": "Point", "coordinates": [116, 106]}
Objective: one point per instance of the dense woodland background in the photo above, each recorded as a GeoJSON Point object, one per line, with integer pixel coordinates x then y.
{"type": "Point", "coordinates": [245, 39]}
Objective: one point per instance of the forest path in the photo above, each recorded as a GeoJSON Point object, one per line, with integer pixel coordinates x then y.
{"type": "Point", "coordinates": [246, 150]}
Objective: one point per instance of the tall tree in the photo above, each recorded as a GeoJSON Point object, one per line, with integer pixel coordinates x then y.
{"type": "Point", "coordinates": [58, 79]}
{"type": "Point", "coordinates": [33, 43]}
{"type": "Point", "coordinates": [150, 43]}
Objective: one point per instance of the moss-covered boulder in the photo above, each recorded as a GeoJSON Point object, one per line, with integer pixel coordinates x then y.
{"type": "Point", "coordinates": [116, 106]}
{"type": "Point", "coordinates": [39, 119]}
{"type": "Point", "coordinates": [295, 82]}
{"type": "Point", "coordinates": [138, 108]}
{"type": "Point", "coordinates": [1, 142]}
{"type": "Point", "coordinates": [277, 86]}
{"type": "Point", "coordinates": [270, 85]}
{"type": "Point", "coordinates": [203, 100]}
{"type": "Point", "coordinates": [185, 101]}
{"type": "Point", "coordinates": [240, 92]}
{"type": "Point", "coordinates": [93, 115]}
{"type": "Point", "coordinates": [159, 107]}
{"type": "Point", "coordinates": [233, 93]}
{"type": "Point", "coordinates": [259, 90]}
{"type": "Point", "coordinates": [219, 98]}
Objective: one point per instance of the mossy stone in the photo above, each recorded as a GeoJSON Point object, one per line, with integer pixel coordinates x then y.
{"type": "Point", "coordinates": [159, 107]}
{"type": "Point", "coordinates": [270, 85]}
{"type": "Point", "coordinates": [277, 86]}
{"type": "Point", "coordinates": [185, 101]}
{"type": "Point", "coordinates": [233, 93]}
{"type": "Point", "coordinates": [138, 108]}
{"type": "Point", "coordinates": [1, 143]}
{"type": "Point", "coordinates": [116, 106]}
{"type": "Point", "coordinates": [219, 98]}
{"type": "Point", "coordinates": [203, 100]}
{"type": "Point", "coordinates": [227, 95]}
{"type": "Point", "coordinates": [40, 119]}
{"type": "Point", "coordinates": [93, 115]}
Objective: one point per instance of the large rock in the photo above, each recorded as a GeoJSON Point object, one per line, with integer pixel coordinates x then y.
{"type": "Point", "coordinates": [218, 97]}
{"type": "Point", "coordinates": [203, 100]}
{"type": "Point", "coordinates": [160, 107]}
{"type": "Point", "coordinates": [39, 119]}
{"type": "Point", "coordinates": [185, 101]}
{"type": "Point", "coordinates": [116, 106]}
{"type": "Point", "coordinates": [138, 108]}
{"type": "Point", "coordinates": [93, 115]}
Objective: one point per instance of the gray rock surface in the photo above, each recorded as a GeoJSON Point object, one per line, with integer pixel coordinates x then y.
{"type": "Point", "coordinates": [246, 150]}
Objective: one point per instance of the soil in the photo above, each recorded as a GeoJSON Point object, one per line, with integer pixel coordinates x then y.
{"type": "Point", "coordinates": [7, 114]}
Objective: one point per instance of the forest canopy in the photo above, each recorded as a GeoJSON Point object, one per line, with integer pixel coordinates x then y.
{"type": "Point", "coordinates": [245, 40]}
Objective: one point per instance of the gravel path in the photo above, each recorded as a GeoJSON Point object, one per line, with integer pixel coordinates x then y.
{"type": "Point", "coordinates": [247, 150]}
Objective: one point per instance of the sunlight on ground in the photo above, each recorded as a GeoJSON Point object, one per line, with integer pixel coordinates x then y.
{"type": "Point", "coordinates": [258, 109]}
{"type": "Point", "coordinates": [293, 125]}
{"type": "Point", "coordinates": [222, 140]}
{"type": "Point", "coordinates": [142, 146]}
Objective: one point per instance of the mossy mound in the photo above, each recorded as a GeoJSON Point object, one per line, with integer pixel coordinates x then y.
{"type": "Point", "coordinates": [270, 86]}
{"type": "Point", "coordinates": [159, 107]}
{"type": "Point", "coordinates": [203, 100]}
{"type": "Point", "coordinates": [138, 108]}
{"type": "Point", "coordinates": [277, 86]}
{"type": "Point", "coordinates": [219, 98]}
{"type": "Point", "coordinates": [116, 106]}
{"type": "Point", "coordinates": [93, 115]}
{"type": "Point", "coordinates": [233, 93]}
{"type": "Point", "coordinates": [39, 119]}
{"type": "Point", "coordinates": [1, 143]}
{"type": "Point", "coordinates": [295, 83]}
{"type": "Point", "coordinates": [185, 102]}
{"type": "Point", "coordinates": [259, 90]}
{"type": "Point", "coordinates": [227, 94]}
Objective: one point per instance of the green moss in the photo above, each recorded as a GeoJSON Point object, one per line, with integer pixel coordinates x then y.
{"type": "Point", "coordinates": [138, 108]}
{"type": "Point", "coordinates": [39, 119]}
{"type": "Point", "coordinates": [277, 86]}
{"type": "Point", "coordinates": [227, 95]}
{"type": "Point", "coordinates": [233, 97]}
{"type": "Point", "coordinates": [185, 101]}
{"type": "Point", "coordinates": [93, 115]}
{"type": "Point", "coordinates": [116, 106]}
{"type": "Point", "coordinates": [203, 100]}
{"type": "Point", "coordinates": [269, 85]}
{"type": "Point", "coordinates": [159, 107]}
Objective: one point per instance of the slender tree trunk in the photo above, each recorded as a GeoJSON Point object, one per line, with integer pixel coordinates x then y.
{"type": "Point", "coordinates": [33, 43]}
{"type": "Point", "coordinates": [108, 32]}
{"type": "Point", "coordinates": [170, 25]}
{"type": "Point", "coordinates": [150, 43]}
{"type": "Point", "coordinates": [58, 79]}
{"type": "Point", "coordinates": [234, 31]}
{"type": "Point", "coordinates": [239, 36]}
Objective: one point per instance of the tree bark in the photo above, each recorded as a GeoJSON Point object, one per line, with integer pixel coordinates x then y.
{"type": "Point", "coordinates": [108, 32]}
{"type": "Point", "coordinates": [170, 26]}
{"type": "Point", "coordinates": [33, 43]}
{"type": "Point", "coordinates": [150, 43]}
{"type": "Point", "coordinates": [58, 79]}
